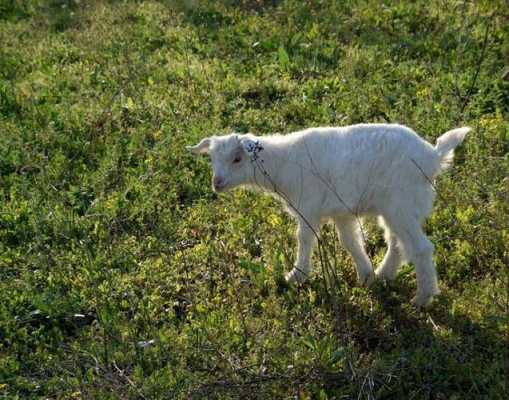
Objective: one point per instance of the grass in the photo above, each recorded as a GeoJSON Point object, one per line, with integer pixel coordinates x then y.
{"type": "Point", "coordinates": [123, 276]}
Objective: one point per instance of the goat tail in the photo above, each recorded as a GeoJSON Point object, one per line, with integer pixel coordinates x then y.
{"type": "Point", "coordinates": [447, 143]}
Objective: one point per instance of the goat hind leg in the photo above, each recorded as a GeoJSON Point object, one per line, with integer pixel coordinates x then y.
{"type": "Point", "coordinates": [419, 251]}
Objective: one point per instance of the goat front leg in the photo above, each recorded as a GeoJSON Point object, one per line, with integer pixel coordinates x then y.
{"type": "Point", "coordinates": [351, 237]}
{"type": "Point", "coordinates": [307, 232]}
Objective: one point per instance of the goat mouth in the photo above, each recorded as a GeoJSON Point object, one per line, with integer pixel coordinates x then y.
{"type": "Point", "coordinates": [219, 188]}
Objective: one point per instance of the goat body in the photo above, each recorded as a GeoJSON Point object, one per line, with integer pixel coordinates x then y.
{"type": "Point", "coordinates": [339, 174]}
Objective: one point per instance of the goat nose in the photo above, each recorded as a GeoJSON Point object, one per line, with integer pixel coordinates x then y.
{"type": "Point", "coordinates": [218, 181]}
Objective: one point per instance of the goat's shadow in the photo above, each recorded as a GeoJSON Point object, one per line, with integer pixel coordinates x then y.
{"type": "Point", "coordinates": [395, 322]}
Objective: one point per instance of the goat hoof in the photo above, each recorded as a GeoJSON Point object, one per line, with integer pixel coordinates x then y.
{"type": "Point", "coordinates": [384, 276]}
{"type": "Point", "coordinates": [296, 276]}
{"type": "Point", "coordinates": [367, 279]}
{"type": "Point", "coordinates": [422, 301]}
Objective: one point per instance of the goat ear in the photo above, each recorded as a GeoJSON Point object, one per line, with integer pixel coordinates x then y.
{"type": "Point", "coordinates": [201, 148]}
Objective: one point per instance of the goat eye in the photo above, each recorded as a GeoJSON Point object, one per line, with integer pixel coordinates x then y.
{"type": "Point", "coordinates": [237, 159]}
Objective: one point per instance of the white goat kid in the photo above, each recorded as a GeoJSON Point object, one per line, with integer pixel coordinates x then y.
{"type": "Point", "coordinates": [338, 174]}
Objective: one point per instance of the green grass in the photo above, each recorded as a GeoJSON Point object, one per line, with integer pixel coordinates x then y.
{"type": "Point", "coordinates": [123, 276]}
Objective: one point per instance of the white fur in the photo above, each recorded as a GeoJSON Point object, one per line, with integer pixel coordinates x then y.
{"type": "Point", "coordinates": [338, 174]}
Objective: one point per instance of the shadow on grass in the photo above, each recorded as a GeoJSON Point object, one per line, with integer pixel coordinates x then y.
{"type": "Point", "coordinates": [433, 353]}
